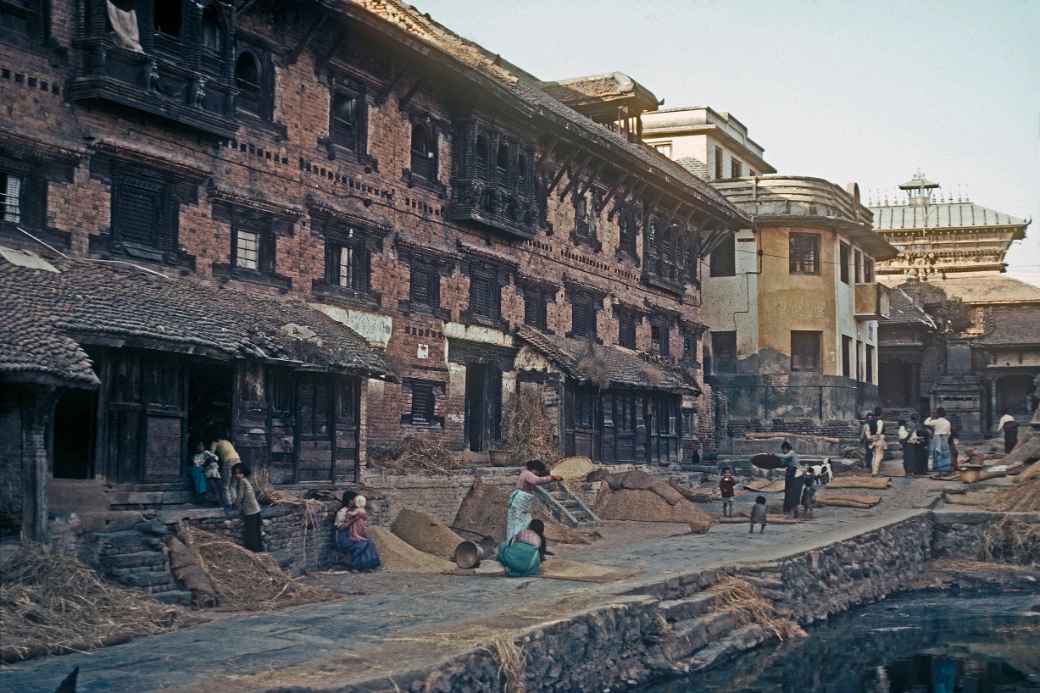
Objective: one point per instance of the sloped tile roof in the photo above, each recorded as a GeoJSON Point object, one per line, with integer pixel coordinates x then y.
{"type": "Point", "coordinates": [941, 215]}
{"type": "Point", "coordinates": [1012, 326]}
{"type": "Point", "coordinates": [49, 311]}
{"type": "Point", "coordinates": [694, 166]}
{"type": "Point", "coordinates": [625, 368]}
{"type": "Point", "coordinates": [993, 288]}
{"type": "Point", "coordinates": [903, 310]}
{"type": "Point", "coordinates": [529, 90]}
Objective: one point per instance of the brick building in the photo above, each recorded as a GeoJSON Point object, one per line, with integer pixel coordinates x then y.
{"type": "Point", "coordinates": [366, 226]}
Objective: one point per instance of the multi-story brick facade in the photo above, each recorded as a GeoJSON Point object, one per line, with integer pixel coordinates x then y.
{"type": "Point", "coordinates": [414, 187]}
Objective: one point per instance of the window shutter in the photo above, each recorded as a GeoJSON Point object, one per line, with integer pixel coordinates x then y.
{"type": "Point", "coordinates": [423, 402]}
{"type": "Point", "coordinates": [360, 268]}
{"type": "Point", "coordinates": [268, 252]}
{"type": "Point", "coordinates": [138, 210]}
{"type": "Point", "coordinates": [420, 289]}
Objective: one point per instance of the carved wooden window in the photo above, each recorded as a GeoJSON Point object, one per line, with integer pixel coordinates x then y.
{"type": "Point", "coordinates": [502, 160]}
{"type": "Point", "coordinates": [167, 17]}
{"type": "Point", "coordinates": [626, 328]}
{"type": "Point", "coordinates": [425, 287]}
{"type": "Point", "coordinates": [13, 189]}
{"type": "Point", "coordinates": [804, 253]}
{"type": "Point", "coordinates": [248, 80]}
{"type": "Point", "coordinates": [280, 391]}
{"type": "Point", "coordinates": [348, 118]}
{"type": "Point", "coordinates": [585, 407]}
{"type": "Point", "coordinates": [314, 405]}
{"type": "Point", "coordinates": [660, 336]}
{"type": "Point", "coordinates": [724, 351]}
{"type": "Point", "coordinates": [724, 258]}
{"type": "Point", "coordinates": [247, 250]}
{"type": "Point", "coordinates": [347, 261]}
{"type": "Point", "coordinates": [214, 35]}
{"type": "Point", "coordinates": [140, 199]}
{"type": "Point", "coordinates": [584, 216]}
{"type": "Point", "coordinates": [484, 294]}
{"type": "Point", "coordinates": [424, 151]}
{"type": "Point", "coordinates": [423, 402]}
{"type": "Point", "coordinates": [805, 350]}
{"type": "Point", "coordinates": [583, 316]}
{"type": "Point", "coordinates": [535, 307]}
{"type": "Point", "coordinates": [629, 223]}
{"type": "Point", "coordinates": [843, 262]}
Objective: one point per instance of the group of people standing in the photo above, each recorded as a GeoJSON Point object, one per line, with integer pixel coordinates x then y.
{"type": "Point", "coordinates": [931, 443]}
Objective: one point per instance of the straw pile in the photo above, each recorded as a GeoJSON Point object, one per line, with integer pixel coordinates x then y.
{"type": "Point", "coordinates": [635, 505]}
{"type": "Point", "coordinates": [572, 468]}
{"type": "Point", "coordinates": [417, 454]}
{"type": "Point", "coordinates": [483, 512]}
{"type": "Point", "coordinates": [739, 595]}
{"type": "Point", "coordinates": [849, 501]}
{"type": "Point", "coordinates": [869, 482]}
{"type": "Point", "coordinates": [765, 486]}
{"type": "Point", "coordinates": [1010, 540]}
{"type": "Point", "coordinates": [51, 603]}
{"type": "Point", "coordinates": [248, 581]}
{"type": "Point", "coordinates": [426, 534]}
{"type": "Point", "coordinates": [398, 556]}
{"type": "Point", "coordinates": [529, 428]}
{"type": "Point", "coordinates": [1023, 497]}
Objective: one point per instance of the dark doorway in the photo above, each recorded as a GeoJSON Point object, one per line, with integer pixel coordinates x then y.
{"type": "Point", "coordinates": [75, 432]}
{"type": "Point", "coordinates": [1014, 395]}
{"type": "Point", "coordinates": [483, 406]}
{"type": "Point", "coordinates": [210, 390]}
{"type": "Point", "coordinates": [897, 384]}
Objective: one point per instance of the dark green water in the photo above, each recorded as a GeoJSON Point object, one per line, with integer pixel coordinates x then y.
{"type": "Point", "coordinates": [913, 644]}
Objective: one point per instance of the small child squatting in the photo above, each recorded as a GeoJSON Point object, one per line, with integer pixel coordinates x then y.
{"type": "Point", "coordinates": [726, 485]}
{"type": "Point", "coordinates": [759, 513]}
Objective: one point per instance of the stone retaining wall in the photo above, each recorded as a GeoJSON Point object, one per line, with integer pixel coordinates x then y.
{"type": "Point", "coordinates": [978, 535]}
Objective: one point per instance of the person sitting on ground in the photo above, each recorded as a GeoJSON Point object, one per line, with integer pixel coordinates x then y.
{"type": "Point", "coordinates": [792, 481]}
{"type": "Point", "coordinates": [518, 514]}
{"type": "Point", "coordinates": [223, 448]}
{"type": "Point", "coordinates": [522, 555]}
{"type": "Point", "coordinates": [759, 515]}
{"type": "Point", "coordinates": [941, 430]}
{"type": "Point", "coordinates": [242, 497]}
{"type": "Point", "coordinates": [352, 533]}
{"type": "Point", "coordinates": [199, 463]}
{"type": "Point", "coordinates": [808, 492]}
{"type": "Point", "coordinates": [1009, 427]}
{"type": "Point", "coordinates": [727, 482]}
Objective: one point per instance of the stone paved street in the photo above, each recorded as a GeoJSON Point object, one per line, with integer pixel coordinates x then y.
{"type": "Point", "coordinates": [215, 655]}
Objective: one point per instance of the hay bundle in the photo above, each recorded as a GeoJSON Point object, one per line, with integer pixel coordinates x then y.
{"type": "Point", "coordinates": [740, 596]}
{"type": "Point", "coordinates": [416, 454]}
{"type": "Point", "coordinates": [1023, 497]}
{"type": "Point", "coordinates": [529, 428]}
{"type": "Point", "coordinates": [398, 556]}
{"type": "Point", "coordinates": [868, 482]}
{"type": "Point", "coordinates": [426, 534]}
{"type": "Point", "coordinates": [847, 501]}
{"type": "Point", "coordinates": [573, 468]}
{"type": "Point", "coordinates": [51, 603]}
{"type": "Point", "coordinates": [250, 581]}
{"type": "Point", "coordinates": [635, 505]}
{"type": "Point", "coordinates": [1010, 541]}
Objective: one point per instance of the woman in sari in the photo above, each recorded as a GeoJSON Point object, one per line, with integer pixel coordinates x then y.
{"type": "Point", "coordinates": [522, 555]}
{"type": "Point", "coordinates": [518, 515]}
{"type": "Point", "coordinates": [352, 534]}
{"type": "Point", "coordinates": [792, 482]}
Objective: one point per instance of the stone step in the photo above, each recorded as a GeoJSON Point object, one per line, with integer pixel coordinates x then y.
{"type": "Point", "coordinates": [135, 559]}
{"type": "Point", "coordinates": [127, 541]}
{"type": "Point", "coordinates": [137, 577]}
{"type": "Point", "coordinates": [181, 597]}
{"type": "Point", "coordinates": [740, 640]}
{"type": "Point", "coordinates": [687, 609]}
{"type": "Point", "coordinates": [688, 637]}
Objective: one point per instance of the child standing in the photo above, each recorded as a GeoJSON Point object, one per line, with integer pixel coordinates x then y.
{"type": "Point", "coordinates": [726, 485]}
{"type": "Point", "coordinates": [808, 491]}
{"type": "Point", "coordinates": [243, 498]}
{"type": "Point", "coordinates": [758, 515]}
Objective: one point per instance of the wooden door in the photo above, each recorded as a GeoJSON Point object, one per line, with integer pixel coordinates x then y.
{"type": "Point", "coordinates": [315, 434]}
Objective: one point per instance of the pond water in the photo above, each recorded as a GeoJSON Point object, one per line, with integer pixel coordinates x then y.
{"type": "Point", "coordinates": [930, 643]}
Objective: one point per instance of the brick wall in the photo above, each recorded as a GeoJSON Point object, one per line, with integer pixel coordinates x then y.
{"type": "Point", "coordinates": [286, 164]}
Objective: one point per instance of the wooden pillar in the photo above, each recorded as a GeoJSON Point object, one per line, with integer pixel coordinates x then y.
{"type": "Point", "coordinates": [37, 419]}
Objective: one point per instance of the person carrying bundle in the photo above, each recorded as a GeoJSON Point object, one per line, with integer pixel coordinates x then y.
{"type": "Point", "coordinates": [518, 514]}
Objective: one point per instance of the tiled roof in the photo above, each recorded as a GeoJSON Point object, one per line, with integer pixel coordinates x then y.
{"type": "Point", "coordinates": [994, 288]}
{"type": "Point", "coordinates": [530, 91]}
{"type": "Point", "coordinates": [625, 367]}
{"type": "Point", "coordinates": [1011, 326]}
{"type": "Point", "coordinates": [903, 310]}
{"type": "Point", "coordinates": [86, 300]}
{"type": "Point", "coordinates": [694, 166]}
{"type": "Point", "coordinates": [610, 86]}
{"type": "Point", "coordinates": [941, 215]}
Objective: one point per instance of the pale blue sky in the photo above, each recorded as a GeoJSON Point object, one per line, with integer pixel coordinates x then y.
{"type": "Point", "coordinates": [847, 91]}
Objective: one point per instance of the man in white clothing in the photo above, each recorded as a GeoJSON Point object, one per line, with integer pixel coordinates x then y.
{"type": "Point", "coordinates": [941, 429]}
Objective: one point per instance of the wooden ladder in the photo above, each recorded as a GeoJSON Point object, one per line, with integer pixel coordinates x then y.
{"type": "Point", "coordinates": [565, 506]}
